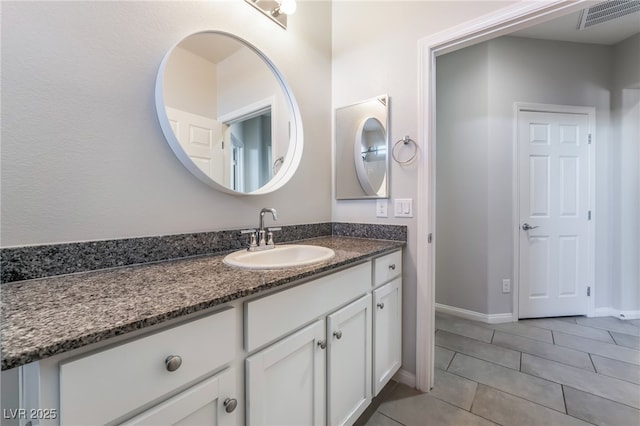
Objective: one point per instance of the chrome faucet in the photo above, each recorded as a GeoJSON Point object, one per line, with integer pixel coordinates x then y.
{"type": "Point", "coordinates": [262, 239]}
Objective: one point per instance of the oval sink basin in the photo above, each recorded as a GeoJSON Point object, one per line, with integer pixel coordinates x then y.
{"type": "Point", "coordinates": [284, 256]}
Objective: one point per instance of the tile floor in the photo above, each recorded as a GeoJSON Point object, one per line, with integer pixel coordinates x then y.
{"type": "Point", "coordinates": [552, 371]}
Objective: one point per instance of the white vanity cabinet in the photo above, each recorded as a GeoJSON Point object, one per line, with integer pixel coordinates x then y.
{"type": "Point", "coordinates": [387, 319]}
{"type": "Point", "coordinates": [111, 384]}
{"type": "Point", "coordinates": [320, 374]}
{"type": "Point", "coordinates": [349, 362]}
{"type": "Point", "coordinates": [314, 353]}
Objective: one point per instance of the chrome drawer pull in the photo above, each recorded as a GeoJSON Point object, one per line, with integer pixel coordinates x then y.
{"type": "Point", "coordinates": [322, 344]}
{"type": "Point", "coordinates": [230, 404]}
{"type": "Point", "coordinates": [338, 334]}
{"type": "Point", "coordinates": [380, 305]}
{"type": "Point", "coordinates": [173, 362]}
{"type": "Point", "coordinates": [392, 266]}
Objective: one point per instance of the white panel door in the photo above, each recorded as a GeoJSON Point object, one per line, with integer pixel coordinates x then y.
{"type": "Point", "coordinates": [553, 207]}
{"type": "Point", "coordinates": [387, 333]}
{"type": "Point", "coordinates": [286, 381]}
{"type": "Point", "coordinates": [202, 140]}
{"type": "Point", "coordinates": [349, 362]}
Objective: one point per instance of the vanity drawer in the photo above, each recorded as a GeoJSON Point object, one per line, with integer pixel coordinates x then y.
{"type": "Point", "coordinates": [101, 387]}
{"type": "Point", "coordinates": [274, 316]}
{"type": "Point", "coordinates": [387, 267]}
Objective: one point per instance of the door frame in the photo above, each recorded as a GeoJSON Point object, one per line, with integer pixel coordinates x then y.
{"type": "Point", "coordinates": [590, 112]}
{"type": "Point", "coordinates": [501, 22]}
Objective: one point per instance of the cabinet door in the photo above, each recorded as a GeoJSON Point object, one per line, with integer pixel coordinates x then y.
{"type": "Point", "coordinates": [285, 383]}
{"type": "Point", "coordinates": [349, 361]}
{"type": "Point", "coordinates": [387, 333]}
{"type": "Point", "coordinates": [203, 404]}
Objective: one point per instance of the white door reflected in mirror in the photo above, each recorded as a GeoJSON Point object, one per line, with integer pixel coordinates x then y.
{"type": "Point", "coordinates": [228, 114]}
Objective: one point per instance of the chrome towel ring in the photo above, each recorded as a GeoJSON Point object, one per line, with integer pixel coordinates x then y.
{"type": "Point", "coordinates": [405, 141]}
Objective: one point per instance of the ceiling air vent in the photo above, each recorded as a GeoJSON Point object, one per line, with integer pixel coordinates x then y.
{"type": "Point", "coordinates": [606, 11]}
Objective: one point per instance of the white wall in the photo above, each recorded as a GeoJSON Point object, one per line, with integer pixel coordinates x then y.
{"type": "Point", "coordinates": [375, 51]}
{"type": "Point", "coordinates": [527, 71]}
{"type": "Point", "coordinates": [83, 156]}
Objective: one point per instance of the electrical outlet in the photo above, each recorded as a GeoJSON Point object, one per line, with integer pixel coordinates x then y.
{"type": "Point", "coordinates": [506, 286]}
{"type": "Point", "coordinates": [382, 208]}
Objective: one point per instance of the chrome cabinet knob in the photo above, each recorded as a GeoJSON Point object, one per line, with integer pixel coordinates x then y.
{"type": "Point", "coordinates": [173, 362]}
{"type": "Point", "coordinates": [338, 334]}
{"type": "Point", "coordinates": [380, 305]}
{"type": "Point", "coordinates": [392, 266]}
{"type": "Point", "coordinates": [322, 344]}
{"type": "Point", "coordinates": [230, 404]}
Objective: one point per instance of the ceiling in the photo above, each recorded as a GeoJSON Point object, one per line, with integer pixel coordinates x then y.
{"type": "Point", "coordinates": [565, 28]}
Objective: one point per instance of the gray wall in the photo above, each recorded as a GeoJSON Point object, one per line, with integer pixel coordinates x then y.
{"type": "Point", "coordinates": [519, 70]}
{"type": "Point", "coordinates": [83, 156]}
{"type": "Point", "coordinates": [375, 51]}
{"type": "Point", "coordinates": [625, 102]}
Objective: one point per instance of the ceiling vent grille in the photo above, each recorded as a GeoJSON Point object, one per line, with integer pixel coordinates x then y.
{"type": "Point", "coordinates": [606, 11]}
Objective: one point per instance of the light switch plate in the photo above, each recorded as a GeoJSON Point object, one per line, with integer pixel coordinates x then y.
{"type": "Point", "coordinates": [382, 208]}
{"type": "Point", "coordinates": [403, 207]}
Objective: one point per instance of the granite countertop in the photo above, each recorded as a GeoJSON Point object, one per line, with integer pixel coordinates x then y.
{"type": "Point", "coordinates": [49, 316]}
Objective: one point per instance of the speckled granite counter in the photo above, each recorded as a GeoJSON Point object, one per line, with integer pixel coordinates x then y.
{"type": "Point", "coordinates": [48, 316]}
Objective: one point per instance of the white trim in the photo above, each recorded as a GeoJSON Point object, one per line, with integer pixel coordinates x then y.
{"type": "Point", "coordinates": [590, 112]}
{"type": "Point", "coordinates": [501, 22]}
{"type": "Point", "coordinates": [475, 316]}
{"type": "Point", "coordinates": [613, 312]}
{"type": "Point", "coordinates": [405, 377]}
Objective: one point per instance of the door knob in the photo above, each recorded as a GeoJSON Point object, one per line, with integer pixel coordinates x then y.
{"type": "Point", "coordinates": [527, 227]}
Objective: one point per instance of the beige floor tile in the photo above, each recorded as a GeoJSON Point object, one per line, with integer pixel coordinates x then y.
{"type": "Point", "coordinates": [611, 324]}
{"type": "Point", "coordinates": [626, 340]}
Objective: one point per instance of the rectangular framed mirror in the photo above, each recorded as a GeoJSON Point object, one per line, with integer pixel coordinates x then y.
{"type": "Point", "coordinates": [362, 149]}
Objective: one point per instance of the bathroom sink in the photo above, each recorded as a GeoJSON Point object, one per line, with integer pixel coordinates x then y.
{"type": "Point", "coordinates": [281, 256]}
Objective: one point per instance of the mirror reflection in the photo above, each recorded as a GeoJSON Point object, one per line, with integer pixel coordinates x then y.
{"type": "Point", "coordinates": [362, 158]}
{"type": "Point", "coordinates": [226, 113]}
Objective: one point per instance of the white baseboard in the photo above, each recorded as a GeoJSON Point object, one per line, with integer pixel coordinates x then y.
{"type": "Point", "coordinates": [613, 312]}
{"type": "Point", "coordinates": [475, 316]}
{"type": "Point", "coordinates": [405, 377]}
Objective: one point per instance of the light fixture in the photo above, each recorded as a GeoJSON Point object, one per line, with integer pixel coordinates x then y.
{"type": "Point", "coordinates": [276, 10]}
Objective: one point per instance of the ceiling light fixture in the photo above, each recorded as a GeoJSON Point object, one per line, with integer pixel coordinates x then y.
{"type": "Point", "coordinates": [276, 10]}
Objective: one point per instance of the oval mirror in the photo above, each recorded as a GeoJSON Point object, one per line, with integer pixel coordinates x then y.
{"type": "Point", "coordinates": [370, 155]}
{"type": "Point", "coordinates": [228, 114]}
{"type": "Point", "coordinates": [362, 149]}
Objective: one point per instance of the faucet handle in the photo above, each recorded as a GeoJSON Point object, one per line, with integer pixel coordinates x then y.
{"type": "Point", "coordinates": [274, 229]}
{"type": "Point", "coordinates": [252, 237]}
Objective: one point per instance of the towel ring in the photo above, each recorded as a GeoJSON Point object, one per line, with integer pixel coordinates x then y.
{"type": "Point", "coordinates": [405, 141]}
{"type": "Point", "coordinates": [277, 164]}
